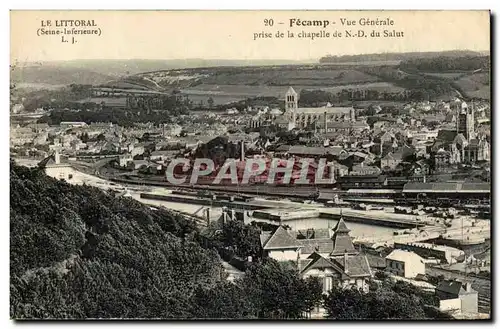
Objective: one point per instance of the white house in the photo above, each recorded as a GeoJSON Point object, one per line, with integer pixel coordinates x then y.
{"type": "Point", "coordinates": [405, 263]}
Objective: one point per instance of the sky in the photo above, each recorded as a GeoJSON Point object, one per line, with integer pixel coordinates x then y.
{"type": "Point", "coordinates": [231, 34]}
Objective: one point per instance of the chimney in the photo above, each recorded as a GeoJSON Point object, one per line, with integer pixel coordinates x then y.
{"type": "Point", "coordinates": [298, 263]}
{"type": "Point", "coordinates": [224, 215]}
{"type": "Point", "coordinates": [346, 257]}
{"type": "Point", "coordinates": [57, 157]}
{"type": "Point", "coordinates": [207, 212]}
{"type": "Point", "coordinates": [242, 155]}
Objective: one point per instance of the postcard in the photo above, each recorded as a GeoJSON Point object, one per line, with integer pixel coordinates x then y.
{"type": "Point", "coordinates": [256, 165]}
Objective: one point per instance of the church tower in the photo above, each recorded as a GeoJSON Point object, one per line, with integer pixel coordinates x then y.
{"type": "Point", "coordinates": [465, 120]}
{"type": "Point", "coordinates": [291, 103]}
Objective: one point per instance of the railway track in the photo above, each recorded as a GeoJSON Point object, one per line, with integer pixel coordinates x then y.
{"type": "Point", "coordinates": [481, 285]}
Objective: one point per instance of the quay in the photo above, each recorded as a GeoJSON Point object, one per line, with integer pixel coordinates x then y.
{"type": "Point", "coordinates": [281, 211]}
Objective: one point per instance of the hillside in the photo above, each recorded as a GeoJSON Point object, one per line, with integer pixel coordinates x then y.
{"type": "Point", "coordinates": [78, 252]}
{"type": "Point", "coordinates": [55, 75]}
{"type": "Point", "coordinates": [397, 56]}
{"type": "Point", "coordinates": [100, 71]}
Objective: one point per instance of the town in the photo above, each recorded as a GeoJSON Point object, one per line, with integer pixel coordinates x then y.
{"type": "Point", "coordinates": [407, 194]}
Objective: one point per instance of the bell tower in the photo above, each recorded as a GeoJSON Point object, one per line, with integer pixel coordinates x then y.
{"type": "Point", "coordinates": [465, 120]}
{"type": "Point", "coordinates": [291, 103]}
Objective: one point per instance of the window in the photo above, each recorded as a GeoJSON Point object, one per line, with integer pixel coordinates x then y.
{"type": "Point", "coordinates": [328, 285]}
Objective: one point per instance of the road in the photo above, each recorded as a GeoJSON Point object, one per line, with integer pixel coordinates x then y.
{"type": "Point", "coordinates": [482, 286]}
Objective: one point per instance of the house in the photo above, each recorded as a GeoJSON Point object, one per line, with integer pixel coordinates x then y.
{"type": "Point", "coordinates": [364, 170]}
{"type": "Point", "coordinates": [281, 245]}
{"type": "Point", "coordinates": [124, 159]}
{"type": "Point", "coordinates": [404, 263]}
{"type": "Point", "coordinates": [162, 155]}
{"type": "Point", "coordinates": [386, 137]}
{"type": "Point", "coordinates": [137, 149]}
{"type": "Point", "coordinates": [343, 267]}
{"type": "Point", "coordinates": [334, 260]}
{"type": "Point", "coordinates": [391, 160]}
{"type": "Point", "coordinates": [339, 170]}
{"type": "Point", "coordinates": [457, 296]}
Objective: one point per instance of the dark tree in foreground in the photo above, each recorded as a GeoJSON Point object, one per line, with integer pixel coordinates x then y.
{"type": "Point", "coordinates": [278, 291]}
{"type": "Point", "coordinates": [398, 300]}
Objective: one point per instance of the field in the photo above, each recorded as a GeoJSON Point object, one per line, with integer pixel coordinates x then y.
{"type": "Point", "coordinates": [475, 85]}
{"type": "Point", "coordinates": [108, 101]}
{"type": "Point", "coordinates": [38, 86]}
{"type": "Point", "coordinates": [445, 75]}
{"type": "Point", "coordinates": [222, 94]}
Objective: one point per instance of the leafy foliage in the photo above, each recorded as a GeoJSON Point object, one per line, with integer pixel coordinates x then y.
{"type": "Point", "coordinates": [78, 252]}
{"type": "Point", "coordinates": [278, 291]}
{"type": "Point", "coordinates": [399, 300]}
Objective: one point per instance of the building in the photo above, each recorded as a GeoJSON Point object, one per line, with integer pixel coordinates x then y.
{"type": "Point", "coordinates": [448, 190]}
{"type": "Point", "coordinates": [404, 263]}
{"type": "Point", "coordinates": [457, 296]}
{"type": "Point", "coordinates": [444, 254]}
{"type": "Point", "coordinates": [334, 260]}
{"type": "Point", "coordinates": [391, 160]}
{"type": "Point", "coordinates": [280, 245]}
{"type": "Point", "coordinates": [463, 144]}
{"type": "Point", "coordinates": [343, 267]}
{"type": "Point", "coordinates": [124, 159]}
{"type": "Point", "coordinates": [465, 120]}
{"type": "Point", "coordinates": [357, 181]}
{"type": "Point", "coordinates": [299, 117]}
{"type": "Point", "coordinates": [364, 170]}
{"type": "Point", "coordinates": [66, 124]}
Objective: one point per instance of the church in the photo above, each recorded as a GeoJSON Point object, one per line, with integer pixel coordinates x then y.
{"type": "Point", "coordinates": [312, 117]}
{"type": "Point", "coordinates": [462, 145]}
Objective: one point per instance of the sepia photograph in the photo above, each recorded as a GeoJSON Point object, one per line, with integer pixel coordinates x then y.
{"type": "Point", "coordinates": [250, 165]}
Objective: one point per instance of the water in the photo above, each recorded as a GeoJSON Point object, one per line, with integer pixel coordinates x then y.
{"type": "Point", "coordinates": [357, 229]}
{"type": "Point", "coordinates": [215, 212]}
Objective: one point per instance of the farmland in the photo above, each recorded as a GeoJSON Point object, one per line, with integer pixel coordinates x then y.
{"type": "Point", "coordinates": [384, 77]}
{"type": "Point", "coordinates": [230, 84]}
{"type": "Point", "coordinates": [108, 101]}
{"type": "Point", "coordinates": [222, 94]}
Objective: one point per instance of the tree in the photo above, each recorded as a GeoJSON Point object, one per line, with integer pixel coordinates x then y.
{"type": "Point", "coordinates": [101, 137]}
{"type": "Point", "coordinates": [345, 304]}
{"type": "Point", "coordinates": [77, 252]}
{"type": "Point", "coordinates": [245, 239]}
{"type": "Point", "coordinates": [223, 301]}
{"type": "Point", "coordinates": [85, 137]}
{"type": "Point", "coordinates": [278, 291]}
{"type": "Point", "coordinates": [400, 300]}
